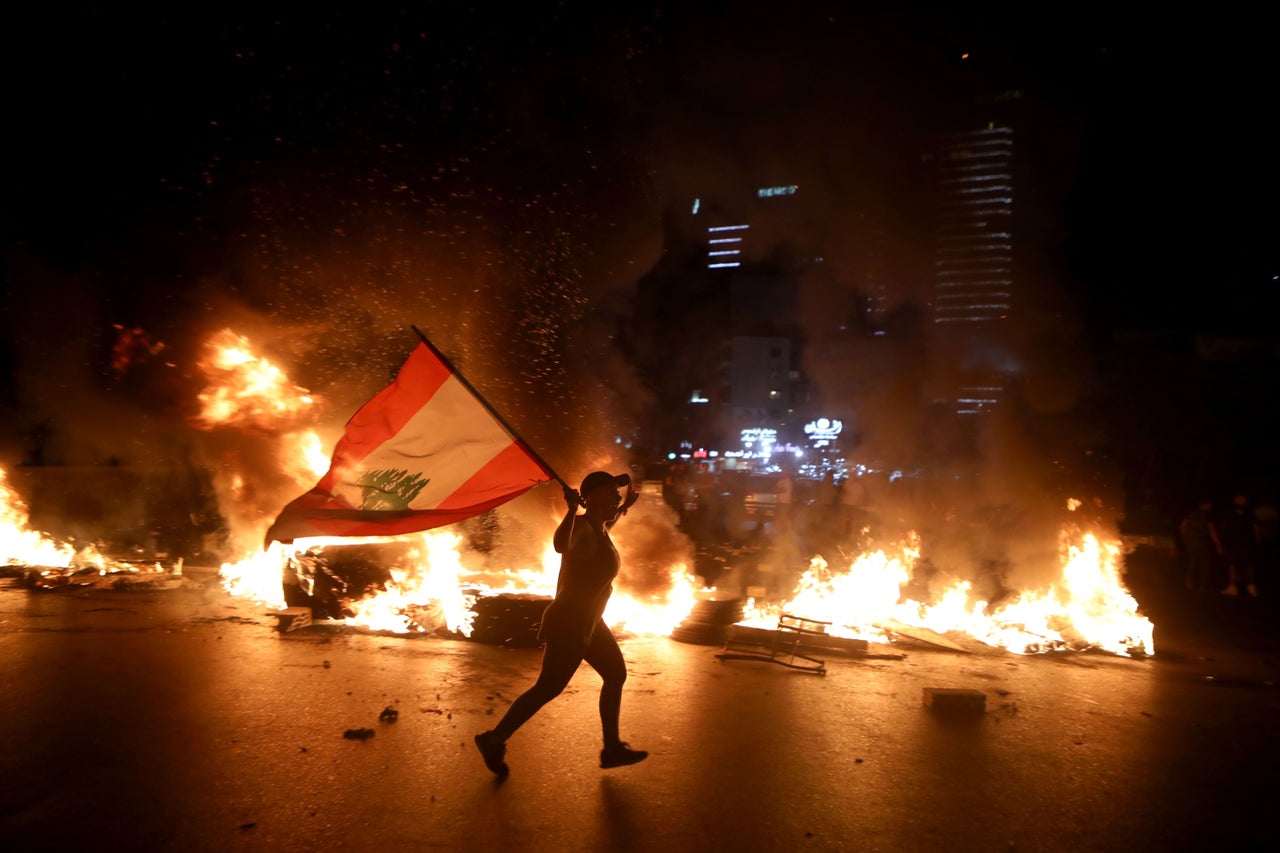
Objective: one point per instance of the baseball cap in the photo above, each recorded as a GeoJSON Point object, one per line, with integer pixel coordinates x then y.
{"type": "Point", "coordinates": [596, 479]}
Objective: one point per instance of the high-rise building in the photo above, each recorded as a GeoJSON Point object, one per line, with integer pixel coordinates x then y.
{"type": "Point", "coordinates": [973, 264]}
{"type": "Point", "coordinates": [977, 189]}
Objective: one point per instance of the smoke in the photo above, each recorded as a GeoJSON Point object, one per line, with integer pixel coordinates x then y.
{"type": "Point", "coordinates": [328, 183]}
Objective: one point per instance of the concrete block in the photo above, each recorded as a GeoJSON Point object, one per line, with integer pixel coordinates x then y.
{"type": "Point", "coordinates": [961, 699]}
{"type": "Point", "coordinates": [292, 618]}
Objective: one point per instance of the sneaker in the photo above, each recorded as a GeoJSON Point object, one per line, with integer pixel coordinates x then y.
{"type": "Point", "coordinates": [1231, 590]}
{"type": "Point", "coordinates": [620, 755]}
{"type": "Point", "coordinates": [1253, 590]}
{"type": "Point", "coordinates": [492, 751]}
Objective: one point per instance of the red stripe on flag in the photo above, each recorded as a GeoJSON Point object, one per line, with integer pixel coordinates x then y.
{"type": "Point", "coordinates": [510, 468]}
{"type": "Point", "coordinates": [317, 514]}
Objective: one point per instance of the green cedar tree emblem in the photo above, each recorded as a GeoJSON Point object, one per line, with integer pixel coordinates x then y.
{"type": "Point", "coordinates": [389, 488]}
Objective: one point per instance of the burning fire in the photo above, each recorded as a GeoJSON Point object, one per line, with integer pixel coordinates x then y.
{"type": "Point", "coordinates": [1087, 606]}
{"type": "Point", "coordinates": [20, 545]}
{"type": "Point", "coordinates": [438, 589]}
{"type": "Point", "coordinates": [38, 552]}
{"type": "Point", "coordinates": [246, 389]}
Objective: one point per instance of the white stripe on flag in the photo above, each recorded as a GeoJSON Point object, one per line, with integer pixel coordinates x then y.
{"type": "Point", "coordinates": [448, 440]}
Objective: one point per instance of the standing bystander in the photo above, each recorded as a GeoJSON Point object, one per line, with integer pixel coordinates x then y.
{"type": "Point", "coordinates": [1200, 544]}
{"type": "Point", "coordinates": [1239, 536]}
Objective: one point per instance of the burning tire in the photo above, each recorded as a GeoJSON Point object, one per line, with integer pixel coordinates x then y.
{"type": "Point", "coordinates": [700, 634]}
{"type": "Point", "coordinates": [716, 612]}
{"type": "Point", "coordinates": [709, 622]}
{"type": "Point", "coordinates": [508, 619]}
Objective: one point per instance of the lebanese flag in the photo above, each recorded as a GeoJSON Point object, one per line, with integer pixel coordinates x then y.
{"type": "Point", "coordinates": [423, 453]}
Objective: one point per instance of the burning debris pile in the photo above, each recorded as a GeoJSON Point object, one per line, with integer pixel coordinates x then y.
{"type": "Point", "coordinates": [1087, 607]}
{"type": "Point", "coordinates": [43, 562]}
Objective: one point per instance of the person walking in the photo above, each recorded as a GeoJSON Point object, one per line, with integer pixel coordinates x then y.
{"type": "Point", "coordinates": [573, 627]}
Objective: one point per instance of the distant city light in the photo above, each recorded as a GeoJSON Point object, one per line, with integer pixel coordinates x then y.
{"type": "Point", "coordinates": [697, 202]}
{"type": "Point", "coordinates": [823, 429]}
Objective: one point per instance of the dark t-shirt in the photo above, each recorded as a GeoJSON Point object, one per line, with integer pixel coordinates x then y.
{"type": "Point", "coordinates": [584, 585]}
{"type": "Point", "coordinates": [1236, 532]}
{"type": "Point", "coordinates": [1195, 531]}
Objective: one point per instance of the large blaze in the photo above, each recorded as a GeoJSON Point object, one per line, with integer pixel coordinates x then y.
{"type": "Point", "coordinates": [1085, 606]}
{"type": "Point", "coordinates": [245, 389]}
{"type": "Point", "coordinates": [19, 544]}
{"type": "Point", "coordinates": [51, 560]}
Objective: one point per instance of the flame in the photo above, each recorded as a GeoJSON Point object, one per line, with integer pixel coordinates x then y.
{"type": "Point", "coordinates": [656, 615]}
{"type": "Point", "coordinates": [22, 546]}
{"type": "Point", "coordinates": [19, 545]}
{"type": "Point", "coordinates": [438, 590]}
{"type": "Point", "coordinates": [246, 389]}
{"type": "Point", "coordinates": [1086, 606]}
{"type": "Point", "coordinates": [304, 456]}
{"type": "Point", "coordinates": [258, 577]}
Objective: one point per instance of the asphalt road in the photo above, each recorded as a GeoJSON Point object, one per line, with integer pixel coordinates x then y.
{"type": "Point", "coordinates": [182, 720]}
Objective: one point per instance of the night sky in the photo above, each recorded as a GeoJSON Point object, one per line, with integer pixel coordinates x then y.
{"type": "Point", "coordinates": [322, 180]}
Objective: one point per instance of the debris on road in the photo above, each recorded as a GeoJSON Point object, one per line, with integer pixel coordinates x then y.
{"type": "Point", "coordinates": [292, 618]}
{"type": "Point", "coordinates": [389, 715]}
{"type": "Point", "coordinates": [955, 699]}
{"type": "Point", "coordinates": [358, 734]}
{"type": "Point", "coordinates": [786, 645]}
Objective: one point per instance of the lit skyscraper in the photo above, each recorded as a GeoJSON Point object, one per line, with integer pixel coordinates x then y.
{"type": "Point", "coordinates": [973, 262]}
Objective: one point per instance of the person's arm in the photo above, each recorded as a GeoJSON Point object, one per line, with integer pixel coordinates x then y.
{"type": "Point", "coordinates": [561, 539]}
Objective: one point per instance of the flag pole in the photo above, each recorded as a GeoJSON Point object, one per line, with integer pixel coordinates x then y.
{"type": "Point", "coordinates": [491, 410]}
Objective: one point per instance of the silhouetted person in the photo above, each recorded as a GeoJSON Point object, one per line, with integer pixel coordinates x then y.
{"type": "Point", "coordinates": [853, 506]}
{"type": "Point", "coordinates": [1239, 536]}
{"type": "Point", "coordinates": [1200, 544]}
{"type": "Point", "coordinates": [573, 626]}
{"type": "Point", "coordinates": [1266, 517]}
{"type": "Point", "coordinates": [784, 516]}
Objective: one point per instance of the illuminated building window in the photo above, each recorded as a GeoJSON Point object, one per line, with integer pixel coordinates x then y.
{"type": "Point", "coordinates": [719, 241]}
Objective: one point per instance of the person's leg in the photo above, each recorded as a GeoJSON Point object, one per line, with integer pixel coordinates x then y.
{"type": "Point", "coordinates": [559, 663]}
{"type": "Point", "coordinates": [606, 658]}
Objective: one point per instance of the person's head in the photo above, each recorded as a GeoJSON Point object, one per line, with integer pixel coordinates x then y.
{"type": "Point", "coordinates": [601, 495]}
{"type": "Point", "coordinates": [1241, 503]}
